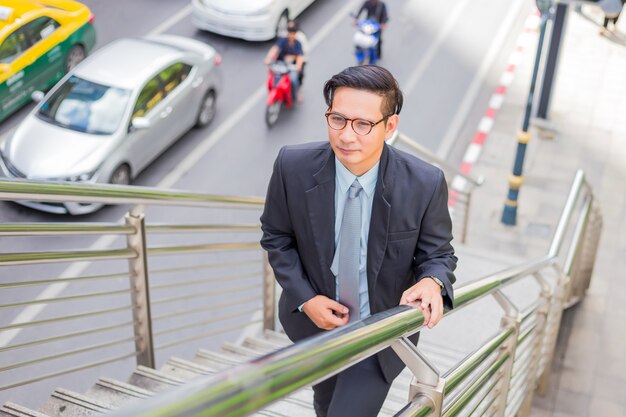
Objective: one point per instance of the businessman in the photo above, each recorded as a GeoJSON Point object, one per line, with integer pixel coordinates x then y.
{"type": "Point", "coordinates": [354, 227]}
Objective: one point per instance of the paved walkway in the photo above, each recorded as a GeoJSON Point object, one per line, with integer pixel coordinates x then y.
{"type": "Point", "coordinates": [589, 114]}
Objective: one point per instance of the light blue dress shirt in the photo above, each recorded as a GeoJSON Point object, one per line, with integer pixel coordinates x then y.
{"type": "Point", "coordinates": [343, 180]}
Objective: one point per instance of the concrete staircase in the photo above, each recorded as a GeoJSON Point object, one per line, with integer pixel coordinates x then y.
{"type": "Point", "coordinates": [108, 394]}
{"type": "Point", "coordinates": [445, 346]}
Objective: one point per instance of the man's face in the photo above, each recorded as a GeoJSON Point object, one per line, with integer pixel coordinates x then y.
{"type": "Point", "coordinates": [357, 152]}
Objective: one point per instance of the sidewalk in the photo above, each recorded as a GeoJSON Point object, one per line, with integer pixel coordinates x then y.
{"type": "Point", "coordinates": [589, 113]}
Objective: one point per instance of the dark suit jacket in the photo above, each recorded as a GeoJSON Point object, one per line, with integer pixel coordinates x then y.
{"type": "Point", "coordinates": [409, 238]}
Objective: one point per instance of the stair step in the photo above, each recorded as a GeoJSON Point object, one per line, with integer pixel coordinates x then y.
{"type": "Point", "coordinates": [247, 353]}
{"type": "Point", "coordinates": [262, 345]}
{"type": "Point", "coordinates": [115, 392]}
{"type": "Point", "coordinates": [10, 409]}
{"type": "Point", "coordinates": [278, 337]}
{"type": "Point", "coordinates": [153, 380]}
{"type": "Point", "coordinates": [219, 360]}
{"type": "Point", "coordinates": [67, 403]}
{"type": "Point", "coordinates": [183, 369]}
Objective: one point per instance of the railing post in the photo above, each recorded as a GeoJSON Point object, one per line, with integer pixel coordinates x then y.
{"type": "Point", "coordinates": [466, 219]}
{"type": "Point", "coordinates": [269, 295]}
{"type": "Point", "coordinates": [426, 381]}
{"type": "Point", "coordinates": [552, 328]}
{"type": "Point", "coordinates": [543, 309]}
{"type": "Point", "coordinates": [588, 251]}
{"type": "Point", "coordinates": [140, 290]}
{"type": "Point", "coordinates": [511, 319]}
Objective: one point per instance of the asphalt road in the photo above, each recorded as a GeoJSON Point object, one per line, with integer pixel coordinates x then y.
{"type": "Point", "coordinates": [435, 49]}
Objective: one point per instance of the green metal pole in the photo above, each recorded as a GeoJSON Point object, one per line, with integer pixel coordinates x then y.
{"type": "Point", "coordinates": [509, 214]}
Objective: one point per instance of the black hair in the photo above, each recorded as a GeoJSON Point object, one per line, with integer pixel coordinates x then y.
{"type": "Point", "coordinates": [292, 26]}
{"type": "Point", "coordinates": [371, 78]}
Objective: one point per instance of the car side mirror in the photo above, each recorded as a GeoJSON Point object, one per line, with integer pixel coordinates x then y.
{"type": "Point", "coordinates": [139, 123]}
{"type": "Point", "coordinates": [37, 96]}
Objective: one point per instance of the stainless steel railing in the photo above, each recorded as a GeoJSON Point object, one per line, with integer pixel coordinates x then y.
{"type": "Point", "coordinates": [149, 287]}
{"type": "Point", "coordinates": [460, 185]}
{"type": "Point", "coordinates": [129, 276]}
{"type": "Point", "coordinates": [499, 378]}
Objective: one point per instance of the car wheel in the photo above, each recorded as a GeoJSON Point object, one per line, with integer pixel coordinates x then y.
{"type": "Point", "coordinates": [121, 175]}
{"type": "Point", "coordinates": [271, 113]}
{"type": "Point", "coordinates": [207, 111]}
{"type": "Point", "coordinates": [74, 56]}
{"type": "Point", "coordinates": [281, 25]}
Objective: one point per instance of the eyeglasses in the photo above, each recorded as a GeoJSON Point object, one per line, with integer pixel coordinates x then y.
{"type": "Point", "coordinates": [360, 126]}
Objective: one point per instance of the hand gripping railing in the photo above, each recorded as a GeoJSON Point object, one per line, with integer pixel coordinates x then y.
{"type": "Point", "coordinates": [498, 378]}
{"type": "Point", "coordinates": [460, 184]}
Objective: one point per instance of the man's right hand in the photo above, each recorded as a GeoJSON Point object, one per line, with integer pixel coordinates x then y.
{"type": "Point", "coordinates": [327, 314]}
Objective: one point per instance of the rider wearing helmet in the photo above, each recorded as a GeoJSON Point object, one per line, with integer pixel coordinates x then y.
{"type": "Point", "coordinates": [376, 10]}
{"type": "Point", "coordinates": [289, 50]}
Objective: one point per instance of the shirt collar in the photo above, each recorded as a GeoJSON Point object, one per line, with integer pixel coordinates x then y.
{"type": "Point", "coordinates": [345, 178]}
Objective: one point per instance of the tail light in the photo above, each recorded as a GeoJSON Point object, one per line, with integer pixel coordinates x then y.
{"type": "Point", "coordinates": [92, 18]}
{"type": "Point", "coordinates": [218, 59]}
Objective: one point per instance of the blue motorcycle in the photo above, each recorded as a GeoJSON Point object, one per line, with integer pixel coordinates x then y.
{"type": "Point", "coordinates": [366, 40]}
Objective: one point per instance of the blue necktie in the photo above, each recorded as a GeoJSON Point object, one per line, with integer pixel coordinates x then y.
{"type": "Point", "coordinates": [350, 252]}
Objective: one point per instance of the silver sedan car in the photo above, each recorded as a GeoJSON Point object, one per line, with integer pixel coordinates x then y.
{"type": "Point", "coordinates": [114, 113]}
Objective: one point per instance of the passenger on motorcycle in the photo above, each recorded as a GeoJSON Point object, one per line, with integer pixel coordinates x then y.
{"type": "Point", "coordinates": [290, 51]}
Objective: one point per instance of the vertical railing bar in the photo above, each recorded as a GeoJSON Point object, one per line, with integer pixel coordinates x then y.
{"type": "Point", "coordinates": [138, 271]}
{"type": "Point", "coordinates": [269, 295]}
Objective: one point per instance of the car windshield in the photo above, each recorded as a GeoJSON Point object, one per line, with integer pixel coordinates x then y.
{"type": "Point", "coordinates": [85, 106]}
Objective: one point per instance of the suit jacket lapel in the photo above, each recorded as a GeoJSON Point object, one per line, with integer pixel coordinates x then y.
{"type": "Point", "coordinates": [379, 224]}
{"type": "Point", "coordinates": [321, 212]}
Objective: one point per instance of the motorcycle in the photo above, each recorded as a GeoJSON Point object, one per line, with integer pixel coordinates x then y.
{"type": "Point", "coordinates": [366, 40]}
{"type": "Point", "coordinates": [278, 91]}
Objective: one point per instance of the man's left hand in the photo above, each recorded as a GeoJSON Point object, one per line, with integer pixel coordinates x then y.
{"type": "Point", "coordinates": [428, 292]}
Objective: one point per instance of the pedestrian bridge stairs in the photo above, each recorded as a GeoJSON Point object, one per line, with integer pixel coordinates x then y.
{"type": "Point", "coordinates": [109, 394]}
{"type": "Point", "coordinates": [444, 346]}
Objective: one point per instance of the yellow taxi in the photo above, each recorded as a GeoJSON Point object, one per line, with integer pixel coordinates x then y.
{"type": "Point", "coordinates": [40, 41]}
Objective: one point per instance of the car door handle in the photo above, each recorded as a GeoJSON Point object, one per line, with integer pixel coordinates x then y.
{"type": "Point", "coordinates": [197, 82]}
{"type": "Point", "coordinates": [166, 112]}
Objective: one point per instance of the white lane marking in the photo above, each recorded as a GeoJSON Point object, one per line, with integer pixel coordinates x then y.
{"type": "Point", "coordinates": [485, 125]}
{"type": "Point", "coordinates": [181, 169]}
{"type": "Point", "coordinates": [77, 268]}
{"type": "Point", "coordinates": [186, 164]}
{"type": "Point", "coordinates": [507, 78]}
{"type": "Point", "coordinates": [472, 153]}
{"type": "Point", "coordinates": [451, 23]}
{"type": "Point", "coordinates": [51, 291]}
{"type": "Point", "coordinates": [495, 102]}
{"type": "Point", "coordinates": [459, 183]}
{"type": "Point", "coordinates": [516, 58]}
{"type": "Point", "coordinates": [454, 129]}
{"type": "Point", "coordinates": [182, 13]}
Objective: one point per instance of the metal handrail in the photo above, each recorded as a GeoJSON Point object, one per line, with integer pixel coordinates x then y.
{"type": "Point", "coordinates": [57, 280]}
{"type": "Point", "coordinates": [65, 318]}
{"type": "Point", "coordinates": [315, 359]}
{"type": "Point", "coordinates": [460, 194]}
{"type": "Point", "coordinates": [25, 258]}
{"type": "Point", "coordinates": [62, 192]}
{"type": "Point", "coordinates": [67, 336]}
{"type": "Point", "coordinates": [422, 150]}
{"type": "Point", "coordinates": [56, 229]}
{"type": "Point", "coordinates": [136, 252]}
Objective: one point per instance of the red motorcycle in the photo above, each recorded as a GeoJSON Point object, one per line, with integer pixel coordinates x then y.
{"type": "Point", "coordinates": [279, 91]}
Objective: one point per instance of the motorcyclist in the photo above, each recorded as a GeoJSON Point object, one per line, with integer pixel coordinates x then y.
{"type": "Point", "coordinates": [290, 51]}
{"type": "Point", "coordinates": [375, 10]}
{"type": "Point", "coordinates": [304, 41]}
